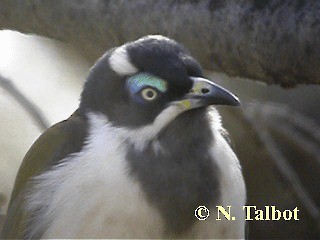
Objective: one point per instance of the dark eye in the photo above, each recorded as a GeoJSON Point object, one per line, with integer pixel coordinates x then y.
{"type": "Point", "coordinates": [149, 94]}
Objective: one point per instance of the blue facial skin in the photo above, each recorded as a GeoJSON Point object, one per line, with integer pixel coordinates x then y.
{"type": "Point", "coordinates": [138, 82]}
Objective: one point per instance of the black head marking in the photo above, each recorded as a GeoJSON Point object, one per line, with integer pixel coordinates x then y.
{"type": "Point", "coordinates": [105, 90]}
{"type": "Point", "coordinates": [165, 58]}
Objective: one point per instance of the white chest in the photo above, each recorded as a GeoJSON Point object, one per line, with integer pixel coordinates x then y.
{"type": "Point", "coordinates": [92, 195]}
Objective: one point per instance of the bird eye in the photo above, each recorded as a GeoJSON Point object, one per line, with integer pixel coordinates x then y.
{"type": "Point", "coordinates": [149, 94]}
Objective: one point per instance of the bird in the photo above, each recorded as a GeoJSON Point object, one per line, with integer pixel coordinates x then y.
{"type": "Point", "coordinates": [142, 152]}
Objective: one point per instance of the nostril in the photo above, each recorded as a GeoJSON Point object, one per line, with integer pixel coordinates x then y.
{"type": "Point", "coordinates": [204, 90]}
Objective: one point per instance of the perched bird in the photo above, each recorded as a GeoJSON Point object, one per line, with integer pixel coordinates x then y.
{"type": "Point", "coordinates": [144, 149]}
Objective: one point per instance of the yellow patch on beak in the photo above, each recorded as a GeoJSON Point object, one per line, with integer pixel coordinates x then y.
{"type": "Point", "coordinates": [197, 88]}
{"type": "Point", "coordinates": [185, 104]}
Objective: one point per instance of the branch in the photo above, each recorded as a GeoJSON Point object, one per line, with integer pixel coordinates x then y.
{"type": "Point", "coordinates": [307, 145]}
{"type": "Point", "coordinates": [284, 113]}
{"type": "Point", "coordinates": [298, 128]}
{"type": "Point", "coordinates": [2, 219]}
{"type": "Point", "coordinates": [266, 112]}
{"type": "Point", "coordinates": [2, 216]}
{"type": "Point", "coordinates": [272, 41]}
{"type": "Point", "coordinates": [31, 109]}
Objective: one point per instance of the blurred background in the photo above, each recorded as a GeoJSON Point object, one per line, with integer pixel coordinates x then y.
{"type": "Point", "coordinates": [50, 75]}
{"type": "Point", "coordinates": [275, 133]}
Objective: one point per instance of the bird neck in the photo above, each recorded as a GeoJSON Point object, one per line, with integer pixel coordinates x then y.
{"type": "Point", "coordinates": [191, 129]}
{"type": "Point", "coordinates": [176, 170]}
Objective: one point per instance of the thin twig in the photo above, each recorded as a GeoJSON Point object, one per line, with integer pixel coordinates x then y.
{"type": "Point", "coordinates": [2, 216]}
{"type": "Point", "coordinates": [31, 108]}
{"type": "Point", "coordinates": [2, 219]}
{"type": "Point", "coordinates": [283, 165]}
{"type": "Point", "coordinates": [285, 113]}
{"type": "Point", "coordinates": [295, 136]}
{"type": "Point", "coordinates": [294, 123]}
{"type": "Point", "coordinates": [280, 160]}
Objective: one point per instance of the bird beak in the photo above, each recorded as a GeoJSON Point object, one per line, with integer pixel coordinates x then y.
{"type": "Point", "coordinates": [205, 93]}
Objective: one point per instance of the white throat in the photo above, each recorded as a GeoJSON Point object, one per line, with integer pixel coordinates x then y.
{"type": "Point", "coordinates": [138, 137]}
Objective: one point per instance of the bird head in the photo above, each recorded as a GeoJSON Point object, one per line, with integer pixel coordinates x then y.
{"type": "Point", "coordinates": [149, 82]}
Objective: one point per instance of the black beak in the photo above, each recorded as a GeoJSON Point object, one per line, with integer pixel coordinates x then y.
{"type": "Point", "coordinates": [205, 92]}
